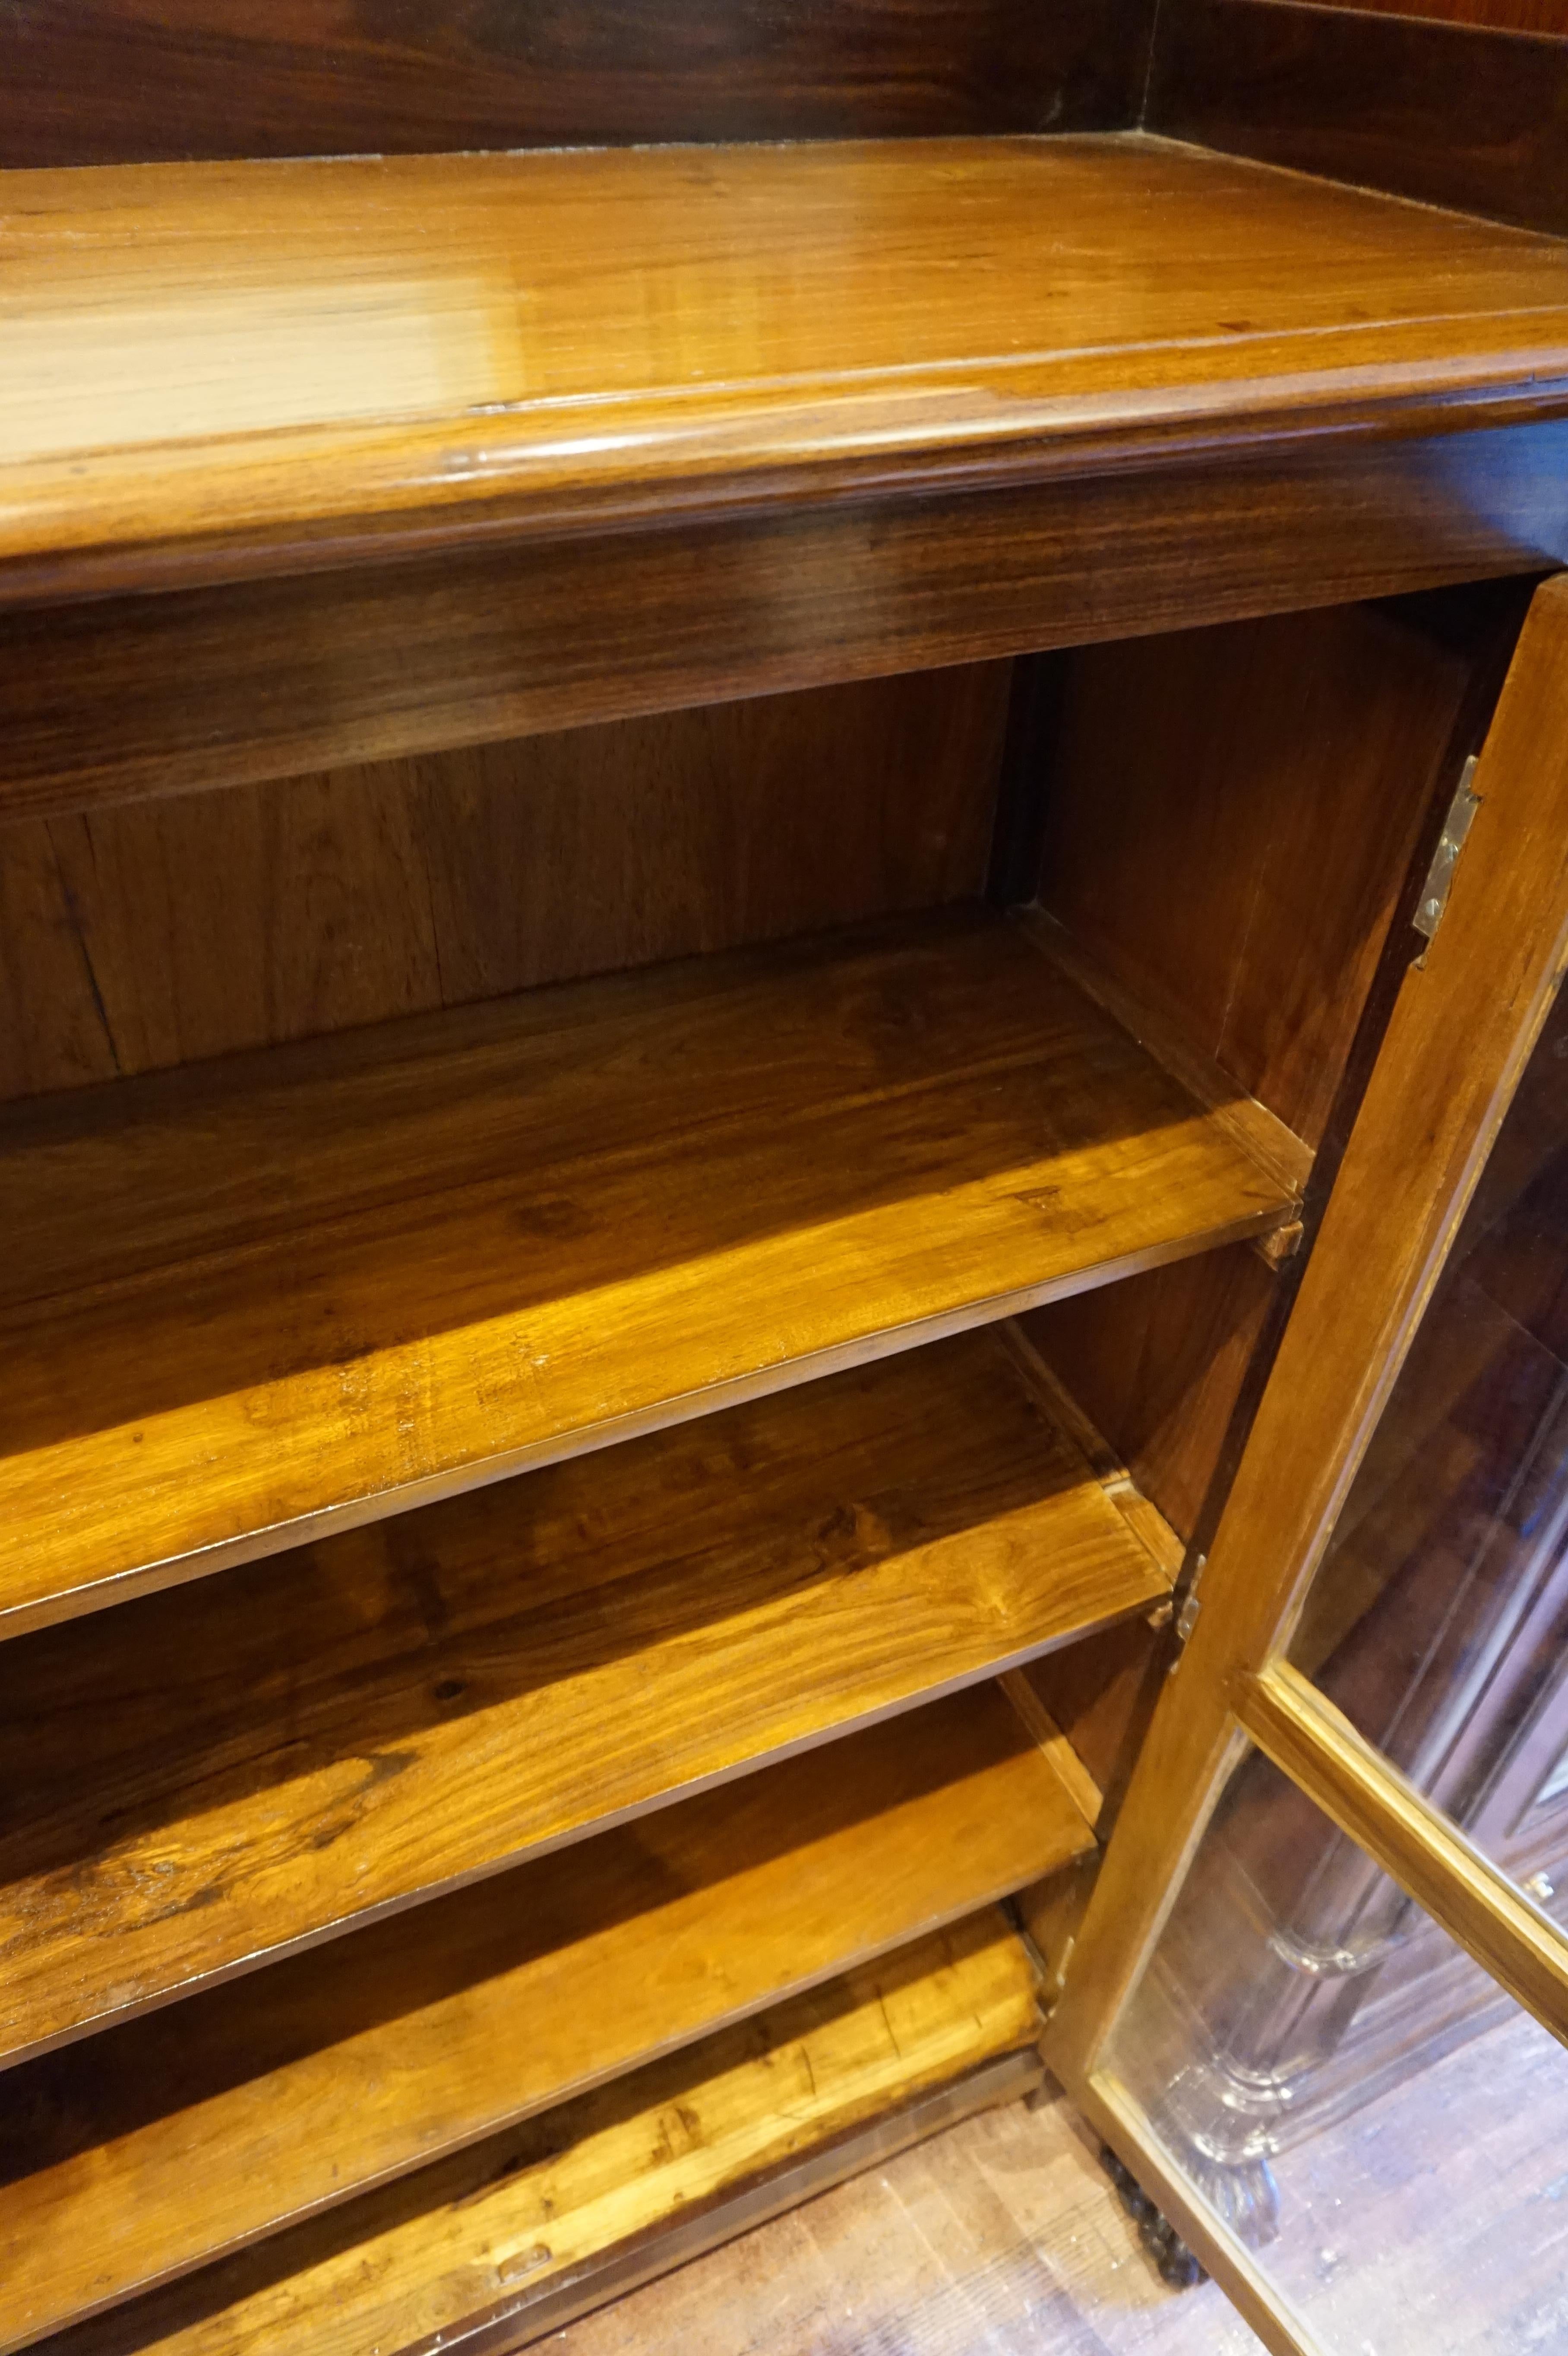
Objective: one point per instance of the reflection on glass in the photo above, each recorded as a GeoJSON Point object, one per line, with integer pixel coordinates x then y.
{"type": "Point", "coordinates": [1439, 1618]}
{"type": "Point", "coordinates": [1341, 2083]}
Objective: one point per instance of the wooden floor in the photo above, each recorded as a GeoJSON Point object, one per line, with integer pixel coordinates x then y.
{"type": "Point", "coordinates": [1000, 2238]}
{"type": "Point", "coordinates": [1431, 2223]}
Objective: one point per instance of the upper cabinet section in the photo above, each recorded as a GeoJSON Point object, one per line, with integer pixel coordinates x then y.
{"type": "Point", "coordinates": [213, 368]}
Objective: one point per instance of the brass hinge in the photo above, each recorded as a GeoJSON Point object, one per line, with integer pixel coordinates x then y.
{"type": "Point", "coordinates": [1446, 857]}
{"type": "Point", "coordinates": [1188, 1607]}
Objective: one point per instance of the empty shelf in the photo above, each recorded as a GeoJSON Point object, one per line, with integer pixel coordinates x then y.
{"type": "Point", "coordinates": [248, 1302]}
{"type": "Point", "coordinates": [533, 2225]}
{"type": "Point", "coordinates": [211, 1776]}
{"type": "Point", "coordinates": [135, 2155]}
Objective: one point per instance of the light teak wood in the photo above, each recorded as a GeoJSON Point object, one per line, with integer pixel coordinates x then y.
{"type": "Point", "coordinates": [250, 1302]}
{"type": "Point", "coordinates": [525, 2228]}
{"type": "Point", "coordinates": [153, 2147]}
{"type": "Point", "coordinates": [307, 358]}
{"type": "Point", "coordinates": [206, 1778]}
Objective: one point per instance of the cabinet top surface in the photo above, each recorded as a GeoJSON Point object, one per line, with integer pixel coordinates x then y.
{"type": "Point", "coordinates": [213, 368]}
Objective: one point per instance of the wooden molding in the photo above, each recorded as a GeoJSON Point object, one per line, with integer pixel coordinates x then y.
{"type": "Point", "coordinates": [313, 364]}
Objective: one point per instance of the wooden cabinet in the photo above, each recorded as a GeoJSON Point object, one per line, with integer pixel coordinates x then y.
{"type": "Point", "coordinates": [702, 853]}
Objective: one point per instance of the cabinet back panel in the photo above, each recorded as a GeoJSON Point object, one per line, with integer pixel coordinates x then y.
{"type": "Point", "coordinates": [100, 81]}
{"type": "Point", "coordinates": [157, 933]}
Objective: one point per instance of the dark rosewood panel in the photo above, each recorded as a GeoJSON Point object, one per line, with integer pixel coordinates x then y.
{"type": "Point", "coordinates": [117, 82]}
{"type": "Point", "coordinates": [108, 700]}
{"type": "Point", "coordinates": [1453, 114]}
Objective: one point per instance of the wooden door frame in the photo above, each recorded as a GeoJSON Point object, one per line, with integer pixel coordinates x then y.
{"type": "Point", "coordinates": [1463, 1022]}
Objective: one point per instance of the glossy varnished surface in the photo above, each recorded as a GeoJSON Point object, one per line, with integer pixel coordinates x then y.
{"type": "Point", "coordinates": [138, 2153]}
{"type": "Point", "coordinates": [290, 1747]}
{"type": "Point", "coordinates": [130, 696]}
{"type": "Point", "coordinates": [247, 1302]}
{"type": "Point", "coordinates": [212, 363]}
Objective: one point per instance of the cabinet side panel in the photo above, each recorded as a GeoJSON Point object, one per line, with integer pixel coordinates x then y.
{"type": "Point", "coordinates": [1158, 1364]}
{"type": "Point", "coordinates": [1231, 817]}
{"type": "Point", "coordinates": [1466, 112]}
{"type": "Point", "coordinates": [1232, 812]}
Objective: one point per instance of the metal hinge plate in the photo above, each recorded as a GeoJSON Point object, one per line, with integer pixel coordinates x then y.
{"type": "Point", "coordinates": [1188, 1607]}
{"type": "Point", "coordinates": [1446, 857]}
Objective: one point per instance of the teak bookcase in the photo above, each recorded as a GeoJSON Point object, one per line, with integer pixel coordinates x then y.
{"type": "Point", "coordinates": [706, 849]}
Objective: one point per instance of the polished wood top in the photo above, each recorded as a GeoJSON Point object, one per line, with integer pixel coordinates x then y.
{"type": "Point", "coordinates": [211, 369]}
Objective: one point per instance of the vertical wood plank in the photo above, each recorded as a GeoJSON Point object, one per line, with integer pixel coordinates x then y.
{"type": "Point", "coordinates": [162, 932]}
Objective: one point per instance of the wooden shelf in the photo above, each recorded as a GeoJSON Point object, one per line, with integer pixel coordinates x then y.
{"type": "Point", "coordinates": [421, 349]}
{"type": "Point", "coordinates": [142, 2152]}
{"type": "Point", "coordinates": [293, 1747]}
{"type": "Point", "coordinates": [533, 2226]}
{"type": "Point", "coordinates": [248, 1302]}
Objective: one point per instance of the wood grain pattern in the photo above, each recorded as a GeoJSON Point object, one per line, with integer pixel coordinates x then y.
{"type": "Point", "coordinates": [1231, 815]}
{"type": "Point", "coordinates": [1232, 812]}
{"type": "Point", "coordinates": [132, 696]}
{"type": "Point", "coordinates": [1463, 1026]}
{"type": "Point", "coordinates": [208, 1778]}
{"type": "Point", "coordinates": [155, 2147]}
{"type": "Point", "coordinates": [1451, 113]}
{"type": "Point", "coordinates": [1159, 1363]}
{"type": "Point", "coordinates": [519, 2224]}
{"type": "Point", "coordinates": [249, 1301]}
{"type": "Point", "coordinates": [415, 352]}
{"type": "Point", "coordinates": [159, 934]}
{"type": "Point", "coordinates": [1102, 1694]}
{"type": "Point", "coordinates": [209, 78]}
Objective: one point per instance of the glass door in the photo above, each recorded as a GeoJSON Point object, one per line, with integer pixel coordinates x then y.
{"type": "Point", "coordinates": [1319, 2001]}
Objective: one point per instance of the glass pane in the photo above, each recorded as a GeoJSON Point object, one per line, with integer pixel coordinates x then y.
{"type": "Point", "coordinates": [1338, 2081]}
{"type": "Point", "coordinates": [1438, 1621]}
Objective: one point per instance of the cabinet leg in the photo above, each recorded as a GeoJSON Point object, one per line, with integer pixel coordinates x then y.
{"type": "Point", "coordinates": [1174, 2260]}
